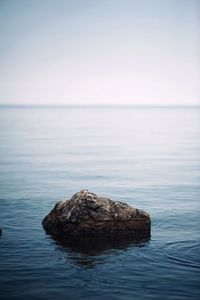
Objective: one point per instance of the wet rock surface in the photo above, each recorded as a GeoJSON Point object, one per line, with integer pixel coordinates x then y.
{"type": "Point", "coordinates": [86, 213]}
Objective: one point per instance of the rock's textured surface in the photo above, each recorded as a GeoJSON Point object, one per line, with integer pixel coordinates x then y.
{"type": "Point", "coordinates": [87, 213]}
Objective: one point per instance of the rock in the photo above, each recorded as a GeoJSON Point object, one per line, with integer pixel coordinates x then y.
{"type": "Point", "coordinates": [87, 213]}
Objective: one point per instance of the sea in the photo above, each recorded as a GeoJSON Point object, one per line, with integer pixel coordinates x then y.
{"type": "Point", "coordinates": [148, 157]}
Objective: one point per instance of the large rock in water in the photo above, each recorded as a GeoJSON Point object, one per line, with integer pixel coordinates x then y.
{"type": "Point", "coordinates": [87, 213]}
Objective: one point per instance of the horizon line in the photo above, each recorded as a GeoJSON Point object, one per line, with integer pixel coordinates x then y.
{"type": "Point", "coordinates": [99, 105]}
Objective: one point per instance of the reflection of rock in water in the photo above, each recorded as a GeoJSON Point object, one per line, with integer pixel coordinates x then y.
{"type": "Point", "coordinates": [89, 250]}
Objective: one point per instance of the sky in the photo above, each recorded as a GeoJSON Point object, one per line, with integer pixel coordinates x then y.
{"type": "Point", "coordinates": [99, 52]}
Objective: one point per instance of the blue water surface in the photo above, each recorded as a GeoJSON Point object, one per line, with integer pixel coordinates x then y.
{"type": "Point", "coordinates": [147, 157]}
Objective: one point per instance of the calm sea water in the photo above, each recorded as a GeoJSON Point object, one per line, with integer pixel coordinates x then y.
{"type": "Point", "coordinates": [147, 157]}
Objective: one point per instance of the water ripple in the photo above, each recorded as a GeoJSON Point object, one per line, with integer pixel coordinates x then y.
{"type": "Point", "coordinates": [185, 253]}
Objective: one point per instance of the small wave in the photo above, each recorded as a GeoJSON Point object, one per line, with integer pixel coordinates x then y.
{"type": "Point", "coordinates": [185, 253]}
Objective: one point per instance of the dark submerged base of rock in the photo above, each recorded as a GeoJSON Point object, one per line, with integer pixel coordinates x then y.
{"type": "Point", "coordinates": [95, 244]}
{"type": "Point", "coordinates": [88, 214]}
{"type": "Point", "coordinates": [85, 248]}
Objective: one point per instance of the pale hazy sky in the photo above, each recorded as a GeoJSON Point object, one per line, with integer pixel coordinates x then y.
{"type": "Point", "coordinates": [99, 52]}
